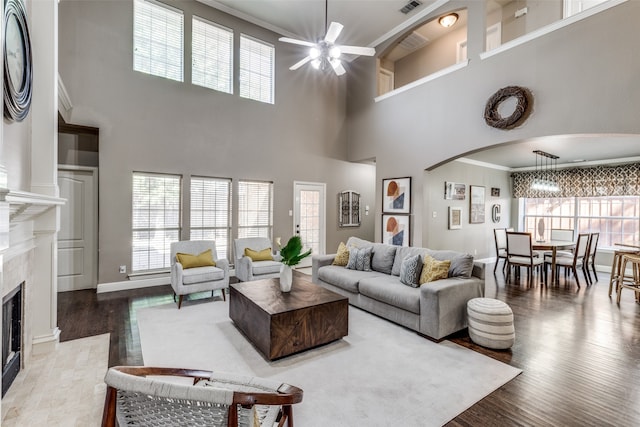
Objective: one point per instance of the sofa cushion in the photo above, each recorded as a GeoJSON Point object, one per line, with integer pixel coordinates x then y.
{"type": "Point", "coordinates": [266, 267]}
{"type": "Point", "coordinates": [461, 263]}
{"type": "Point", "coordinates": [342, 255]}
{"type": "Point", "coordinates": [410, 271]}
{"type": "Point", "coordinates": [402, 253]}
{"type": "Point", "coordinates": [382, 258]}
{"type": "Point", "coordinates": [389, 290]}
{"type": "Point", "coordinates": [344, 278]}
{"type": "Point", "coordinates": [359, 259]}
{"type": "Point", "coordinates": [356, 242]}
{"type": "Point", "coordinates": [434, 270]}
{"type": "Point", "coordinates": [194, 275]}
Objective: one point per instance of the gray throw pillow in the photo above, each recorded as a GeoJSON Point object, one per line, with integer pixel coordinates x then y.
{"type": "Point", "coordinates": [383, 256]}
{"type": "Point", "coordinates": [410, 271]}
{"type": "Point", "coordinates": [359, 259]}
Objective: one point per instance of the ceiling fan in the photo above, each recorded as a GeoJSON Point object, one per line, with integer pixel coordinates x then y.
{"type": "Point", "coordinates": [326, 51]}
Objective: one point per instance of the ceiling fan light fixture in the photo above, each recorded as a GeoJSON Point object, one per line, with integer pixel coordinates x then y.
{"type": "Point", "coordinates": [448, 20]}
{"type": "Point", "coordinates": [335, 52]}
{"type": "Point", "coordinates": [316, 63]}
{"type": "Point", "coordinates": [314, 52]}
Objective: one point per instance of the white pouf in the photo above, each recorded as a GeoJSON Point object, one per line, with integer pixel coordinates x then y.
{"type": "Point", "coordinates": [491, 323]}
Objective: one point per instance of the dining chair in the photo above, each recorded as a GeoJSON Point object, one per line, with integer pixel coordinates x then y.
{"type": "Point", "coordinates": [591, 257]}
{"type": "Point", "coordinates": [520, 254]}
{"type": "Point", "coordinates": [561, 234]}
{"type": "Point", "coordinates": [577, 259]}
{"type": "Point", "coordinates": [500, 238]}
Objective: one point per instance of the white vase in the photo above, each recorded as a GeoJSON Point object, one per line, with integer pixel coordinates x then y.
{"type": "Point", "coordinates": [286, 278]}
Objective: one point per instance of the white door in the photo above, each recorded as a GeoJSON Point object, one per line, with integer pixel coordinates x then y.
{"type": "Point", "coordinates": [309, 217]}
{"type": "Point", "coordinates": [78, 236]}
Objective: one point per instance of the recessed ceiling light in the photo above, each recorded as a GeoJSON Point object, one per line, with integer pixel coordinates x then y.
{"type": "Point", "coordinates": [448, 20]}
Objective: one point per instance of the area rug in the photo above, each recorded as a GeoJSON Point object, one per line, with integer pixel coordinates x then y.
{"type": "Point", "coordinates": [381, 374]}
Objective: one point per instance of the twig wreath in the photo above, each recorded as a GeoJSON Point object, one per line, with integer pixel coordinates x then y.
{"type": "Point", "coordinates": [493, 118]}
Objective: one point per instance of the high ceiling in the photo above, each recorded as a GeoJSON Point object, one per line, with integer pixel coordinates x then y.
{"type": "Point", "coordinates": [366, 22]}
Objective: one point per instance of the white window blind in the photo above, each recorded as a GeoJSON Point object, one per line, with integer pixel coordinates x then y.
{"type": "Point", "coordinates": [211, 212]}
{"type": "Point", "coordinates": [256, 69]}
{"type": "Point", "coordinates": [212, 56]}
{"type": "Point", "coordinates": [155, 220]}
{"type": "Point", "coordinates": [255, 209]}
{"type": "Point", "coordinates": [157, 39]}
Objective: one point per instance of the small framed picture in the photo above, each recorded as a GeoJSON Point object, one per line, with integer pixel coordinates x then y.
{"type": "Point", "coordinates": [396, 230]}
{"type": "Point", "coordinates": [396, 195]}
{"type": "Point", "coordinates": [455, 218]}
{"type": "Point", "coordinates": [495, 192]}
{"type": "Point", "coordinates": [454, 191]}
{"type": "Point", "coordinates": [476, 199]}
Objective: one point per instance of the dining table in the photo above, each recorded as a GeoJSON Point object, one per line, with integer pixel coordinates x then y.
{"type": "Point", "coordinates": [553, 246]}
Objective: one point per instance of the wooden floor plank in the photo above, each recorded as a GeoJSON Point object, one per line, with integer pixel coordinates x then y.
{"type": "Point", "coordinates": [579, 351]}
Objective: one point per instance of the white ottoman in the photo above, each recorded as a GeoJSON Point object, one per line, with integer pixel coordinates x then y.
{"type": "Point", "coordinates": [491, 323]}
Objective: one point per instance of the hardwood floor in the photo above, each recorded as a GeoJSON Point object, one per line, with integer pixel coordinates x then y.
{"type": "Point", "coordinates": [579, 351]}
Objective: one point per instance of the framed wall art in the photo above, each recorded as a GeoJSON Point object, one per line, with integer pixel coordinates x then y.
{"type": "Point", "coordinates": [454, 191]}
{"type": "Point", "coordinates": [349, 205]}
{"type": "Point", "coordinates": [455, 218]}
{"type": "Point", "coordinates": [476, 200]}
{"type": "Point", "coordinates": [495, 192]}
{"type": "Point", "coordinates": [396, 195]}
{"type": "Point", "coordinates": [396, 230]}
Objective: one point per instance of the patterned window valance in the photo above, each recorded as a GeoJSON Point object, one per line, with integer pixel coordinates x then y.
{"type": "Point", "coordinates": [598, 181]}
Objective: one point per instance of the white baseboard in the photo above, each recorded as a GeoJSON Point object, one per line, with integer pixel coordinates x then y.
{"type": "Point", "coordinates": [126, 285]}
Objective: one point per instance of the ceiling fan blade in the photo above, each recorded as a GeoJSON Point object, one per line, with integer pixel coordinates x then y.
{"type": "Point", "coordinates": [337, 67]}
{"type": "Point", "coordinates": [333, 32]}
{"type": "Point", "coordinates": [296, 41]}
{"type": "Point", "coordinates": [300, 63]}
{"type": "Point", "coordinates": [358, 50]}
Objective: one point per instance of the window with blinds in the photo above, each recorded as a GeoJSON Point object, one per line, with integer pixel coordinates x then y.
{"type": "Point", "coordinates": [158, 39]}
{"type": "Point", "coordinates": [155, 220]}
{"type": "Point", "coordinates": [211, 212]}
{"type": "Point", "coordinates": [212, 56]}
{"type": "Point", "coordinates": [256, 69]}
{"type": "Point", "coordinates": [255, 209]}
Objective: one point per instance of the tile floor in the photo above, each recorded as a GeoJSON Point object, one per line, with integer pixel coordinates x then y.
{"type": "Point", "coordinates": [62, 388]}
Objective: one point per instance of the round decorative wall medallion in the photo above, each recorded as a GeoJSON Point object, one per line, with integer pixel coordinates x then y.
{"type": "Point", "coordinates": [492, 115]}
{"type": "Point", "coordinates": [17, 62]}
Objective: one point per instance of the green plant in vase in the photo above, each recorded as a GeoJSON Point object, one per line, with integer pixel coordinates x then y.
{"type": "Point", "coordinates": [291, 254]}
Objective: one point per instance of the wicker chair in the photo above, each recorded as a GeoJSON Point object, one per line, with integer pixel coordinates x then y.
{"type": "Point", "coordinates": [214, 399]}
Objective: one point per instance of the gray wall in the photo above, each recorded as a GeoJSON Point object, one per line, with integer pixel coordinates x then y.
{"type": "Point", "coordinates": [152, 124]}
{"type": "Point", "coordinates": [476, 239]}
{"type": "Point", "coordinates": [429, 59]}
{"type": "Point", "coordinates": [583, 81]}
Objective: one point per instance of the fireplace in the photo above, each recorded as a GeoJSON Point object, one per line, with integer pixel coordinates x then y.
{"type": "Point", "coordinates": [11, 336]}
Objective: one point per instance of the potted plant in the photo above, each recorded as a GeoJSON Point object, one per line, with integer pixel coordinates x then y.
{"type": "Point", "coordinates": [291, 254]}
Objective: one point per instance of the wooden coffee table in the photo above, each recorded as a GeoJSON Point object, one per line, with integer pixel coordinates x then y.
{"type": "Point", "coordinates": [279, 324]}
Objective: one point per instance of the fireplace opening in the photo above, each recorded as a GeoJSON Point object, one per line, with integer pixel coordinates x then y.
{"type": "Point", "coordinates": [11, 336]}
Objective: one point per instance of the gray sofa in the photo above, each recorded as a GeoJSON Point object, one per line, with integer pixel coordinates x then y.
{"type": "Point", "coordinates": [435, 309]}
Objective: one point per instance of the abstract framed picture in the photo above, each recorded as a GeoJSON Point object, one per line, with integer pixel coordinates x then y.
{"type": "Point", "coordinates": [396, 230]}
{"type": "Point", "coordinates": [476, 208]}
{"type": "Point", "coordinates": [455, 218]}
{"type": "Point", "coordinates": [396, 195]}
{"type": "Point", "coordinates": [454, 191]}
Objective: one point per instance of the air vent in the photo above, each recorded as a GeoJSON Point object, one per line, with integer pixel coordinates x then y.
{"type": "Point", "coordinates": [410, 6]}
{"type": "Point", "coordinates": [413, 41]}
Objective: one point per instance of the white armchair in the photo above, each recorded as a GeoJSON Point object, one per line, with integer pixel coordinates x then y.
{"type": "Point", "coordinates": [247, 269]}
{"type": "Point", "coordinates": [198, 279]}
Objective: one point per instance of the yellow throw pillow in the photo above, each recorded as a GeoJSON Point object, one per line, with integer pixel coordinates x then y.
{"type": "Point", "coordinates": [205, 259]}
{"type": "Point", "coordinates": [263, 255]}
{"type": "Point", "coordinates": [434, 270]}
{"type": "Point", "coordinates": [342, 255]}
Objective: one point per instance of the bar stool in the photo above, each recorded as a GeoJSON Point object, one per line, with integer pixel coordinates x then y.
{"type": "Point", "coordinates": [628, 282]}
{"type": "Point", "coordinates": [616, 272]}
